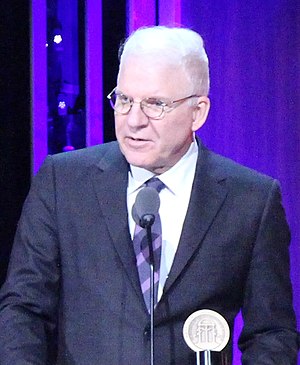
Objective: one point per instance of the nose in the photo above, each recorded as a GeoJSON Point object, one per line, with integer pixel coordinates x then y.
{"type": "Point", "coordinates": [136, 118]}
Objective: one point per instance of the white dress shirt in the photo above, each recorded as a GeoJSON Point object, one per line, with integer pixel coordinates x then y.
{"type": "Point", "coordinates": [174, 201]}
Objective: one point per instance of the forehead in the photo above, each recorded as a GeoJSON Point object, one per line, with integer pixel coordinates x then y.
{"type": "Point", "coordinates": [147, 75]}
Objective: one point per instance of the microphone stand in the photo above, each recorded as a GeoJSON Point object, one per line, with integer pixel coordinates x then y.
{"type": "Point", "coordinates": [146, 220]}
{"type": "Point", "coordinates": [206, 355]}
{"type": "Point", "coordinates": [151, 263]}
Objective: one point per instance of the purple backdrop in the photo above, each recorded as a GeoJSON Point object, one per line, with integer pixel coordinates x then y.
{"type": "Point", "coordinates": [254, 51]}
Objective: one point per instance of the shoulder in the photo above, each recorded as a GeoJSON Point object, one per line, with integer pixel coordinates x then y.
{"type": "Point", "coordinates": [107, 154]}
{"type": "Point", "coordinates": [236, 176]}
{"type": "Point", "coordinates": [227, 167]}
{"type": "Point", "coordinates": [88, 155]}
{"type": "Point", "coordinates": [77, 165]}
{"type": "Point", "coordinates": [249, 193]}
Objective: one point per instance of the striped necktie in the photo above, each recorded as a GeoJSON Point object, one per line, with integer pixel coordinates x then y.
{"type": "Point", "coordinates": [141, 249]}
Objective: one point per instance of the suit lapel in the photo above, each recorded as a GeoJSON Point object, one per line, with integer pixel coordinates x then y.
{"type": "Point", "coordinates": [110, 178]}
{"type": "Point", "coordinates": [207, 197]}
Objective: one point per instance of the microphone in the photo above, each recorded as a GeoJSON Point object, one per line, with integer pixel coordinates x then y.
{"type": "Point", "coordinates": [146, 206]}
{"type": "Point", "coordinates": [143, 212]}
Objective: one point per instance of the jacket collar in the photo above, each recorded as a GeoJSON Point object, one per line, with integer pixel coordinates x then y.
{"type": "Point", "coordinates": [110, 178]}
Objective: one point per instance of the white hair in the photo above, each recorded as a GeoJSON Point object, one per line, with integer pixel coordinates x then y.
{"type": "Point", "coordinates": [178, 46]}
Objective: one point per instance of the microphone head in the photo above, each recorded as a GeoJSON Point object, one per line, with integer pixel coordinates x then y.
{"type": "Point", "coordinates": [146, 206]}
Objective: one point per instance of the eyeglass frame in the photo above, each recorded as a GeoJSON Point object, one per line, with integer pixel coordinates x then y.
{"type": "Point", "coordinates": [163, 104]}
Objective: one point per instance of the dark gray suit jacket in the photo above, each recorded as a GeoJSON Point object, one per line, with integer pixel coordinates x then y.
{"type": "Point", "coordinates": [73, 292]}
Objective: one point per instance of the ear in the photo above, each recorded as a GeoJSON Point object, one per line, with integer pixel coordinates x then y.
{"type": "Point", "coordinates": [200, 112]}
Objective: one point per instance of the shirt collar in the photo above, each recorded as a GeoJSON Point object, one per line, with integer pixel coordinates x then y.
{"type": "Point", "coordinates": [174, 178]}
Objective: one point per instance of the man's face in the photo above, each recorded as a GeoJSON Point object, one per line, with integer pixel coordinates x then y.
{"type": "Point", "coordinates": [155, 145]}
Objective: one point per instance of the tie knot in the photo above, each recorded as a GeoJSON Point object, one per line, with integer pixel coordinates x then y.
{"type": "Point", "coordinates": [155, 183]}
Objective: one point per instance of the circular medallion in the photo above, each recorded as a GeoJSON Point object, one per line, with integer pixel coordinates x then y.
{"type": "Point", "coordinates": [206, 330]}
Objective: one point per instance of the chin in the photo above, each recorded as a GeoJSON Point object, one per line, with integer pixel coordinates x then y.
{"type": "Point", "coordinates": [138, 163]}
{"type": "Point", "coordinates": [142, 164]}
{"type": "Point", "coordinates": [135, 158]}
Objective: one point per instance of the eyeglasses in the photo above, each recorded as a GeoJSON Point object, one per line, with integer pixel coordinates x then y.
{"type": "Point", "coordinates": [153, 108]}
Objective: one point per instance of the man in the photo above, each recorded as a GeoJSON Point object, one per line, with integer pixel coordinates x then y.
{"type": "Point", "coordinates": [73, 292]}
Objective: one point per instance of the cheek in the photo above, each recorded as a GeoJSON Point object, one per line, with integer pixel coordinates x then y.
{"type": "Point", "coordinates": [178, 129]}
{"type": "Point", "coordinates": [119, 126]}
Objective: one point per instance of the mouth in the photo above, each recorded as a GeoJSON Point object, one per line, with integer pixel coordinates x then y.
{"type": "Point", "coordinates": [137, 139]}
{"type": "Point", "coordinates": [137, 142]}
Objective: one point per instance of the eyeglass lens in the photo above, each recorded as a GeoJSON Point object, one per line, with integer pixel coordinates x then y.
{"type": "Point", "coordinates": [153, 108]}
